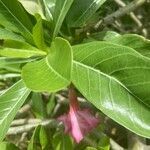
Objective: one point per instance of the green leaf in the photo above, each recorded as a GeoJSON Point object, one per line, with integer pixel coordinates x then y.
{"type": "Point", "coordinates": [38, 106]}
{"type": "Point", "coordinates": [137, 42]}
{"type": "Point", "coordinates": [104, 143]}
{"type": "Point", "coordinates": [6, 34]}
{"type": "Point", "coordinates": [106, 74]}
{"type": "Point", "coordinates": [62, 141]}
{"type": "Point", "coordinates": [12, 20]}
{"type": "Point", "coordinates": [49, 6]}
{"type": "Point", "coordinates": [33, 7]}
{"type": "Point", "coordinates": [90, 148]}
{"type": "Point", "coordinates": [39, 140]}
{"type": "Point", "coordinates": [34, 143]}
{"type": "Point", "coordinates": [53, 72]}
{"type": "Point", "coordinates": [38, 35]}
{"type": "Point", "coordinates": [18, 49]}
{"type": "Point", "coordinates": [51, 104]}
{"type": "Point", "coordinates": [10, 101]}
{"type": "Point", "coordinates": [61, 9]}
{"type": "Point", "coordinates": [44, 139]}
{"type": "Point", "coordinates": [81, 11]}
{"type": "Point", "coordinates": [8, 146]}
{"type": "Point", "coordinates": [4, 62]}
{"type": "Point", "coordinates": [129, 67]}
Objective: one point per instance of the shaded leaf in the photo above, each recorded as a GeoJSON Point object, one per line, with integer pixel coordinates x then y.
{"type": "Point", "coordinates": [12, 20]}
{"type": "Point", "coordinates": [62, 141]}
{"type": "Point", "coordinates": [60, 11]}
{"type": "Point", "coordinates": [81, 11]}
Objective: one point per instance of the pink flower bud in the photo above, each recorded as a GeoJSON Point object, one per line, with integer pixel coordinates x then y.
{"type": "Point", "coordinates": [78, 122]}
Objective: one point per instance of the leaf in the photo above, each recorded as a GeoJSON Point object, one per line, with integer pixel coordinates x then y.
{"type": "Point", "coordinates": [137, 42]}
{"type": "Point", "coordinates": [93, 77]}
{"type": "Point", "coordinates": [51, 104]}
{"type": "Point", "coordinates": [104, 143]}
{"type": "Point", "coordinates": [10, 102]}
{"type": "Point", "coordinates": [38, 35]}
{"type": "Point", "coordinates": [33, 7]}
{"type": "Point", "coordinates": [8, 146]}
{"type": "Point", "coordinates": [49, 6]}
{"type": "Point", "coordinates": [129, 67]}
{"type": "Point", "coordinates": [44, 139]}
{"type": "Point", "coordinates": [81, 11]}
{"type": "Point", "coordinates": [17, 49]}
{"type": "Point", "coordinates": [39, 140]}
{"type": "Point", "coordinates": [6, 34]}
{"type": "Point", "coordinates": [90, 148]}
{"type": "Point", "coordinates": [38, 106]}
{"type": "Point", "coordinates": [60, 11]}
{"type": "Point", "coordinates": [53, 72]}
{"type": "Point", "coordinates": [62, 141]}
{"type": "Point", "coordinates": [4, 62]}
{"type": "Point", "coordinates": [12, 20]}
{"type": "Point", "coordinates": [34, 143]}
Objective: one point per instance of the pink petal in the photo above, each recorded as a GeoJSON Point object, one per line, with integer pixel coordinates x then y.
{"type": "Point", "coordinates": [75, 126]}
{"type": "Point", "coordinates": [66, 121]}
{"type": "Point", "coordinates": [82, 122]}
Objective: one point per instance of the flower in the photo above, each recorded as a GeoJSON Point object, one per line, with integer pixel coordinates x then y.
{"type": "Point", "coordinates": [78, 122]}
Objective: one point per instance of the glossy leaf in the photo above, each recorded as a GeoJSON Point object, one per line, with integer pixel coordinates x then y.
{"type": "Point", "coordinates": [81, 11]}
{"type": "Point", "coordinates": [99, 69]}
{"type": "Point", "coordinates": [53, 72]}
{"type": "Point", "coordinates": [123, 63]}
{"type": "Point", "coordinates": [10, 101]}
{"type": "Point", "coordinates": [12, 20]}
{"type": "Point", "coordinates": [60, 11]}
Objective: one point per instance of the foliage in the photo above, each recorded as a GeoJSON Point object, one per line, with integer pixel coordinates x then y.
{"type": "Point", "coordinates": [53, 44]}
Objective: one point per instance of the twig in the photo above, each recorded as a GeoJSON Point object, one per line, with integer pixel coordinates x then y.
{"type": "Point", "coordinates": [132, 15]}
{"type": "Point", "coordinates": [29, 127]}
{"type": "Point", "coordinates": [19, 122]}
{"type": "Point", "coordinates": [122, 11]}
{"type": "Point", "coordinates": [114, 145]}
{"type": "Point", "coordinates": [23, 111]}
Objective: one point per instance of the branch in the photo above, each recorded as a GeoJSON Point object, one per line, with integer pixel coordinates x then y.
{"type": "Point", "coordinates": [28, 127]}
{"type": "Point", "coordinates": [132, 15]}
{"type": "Point", "coordinates": [122, 11]}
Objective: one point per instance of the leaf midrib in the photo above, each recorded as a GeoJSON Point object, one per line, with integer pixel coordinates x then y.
{"type": "Point", "coordinates": [109, 77]}
{"type": "Point", "coordinates": [16, 18]}
{"type": "Point", "coordinates": [12, 108]}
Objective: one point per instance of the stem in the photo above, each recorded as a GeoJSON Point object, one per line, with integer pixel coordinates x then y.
{"type": "Point", "coordinates": [127, 9]}
{"type": "Point", "coordinates": [73, 98]}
